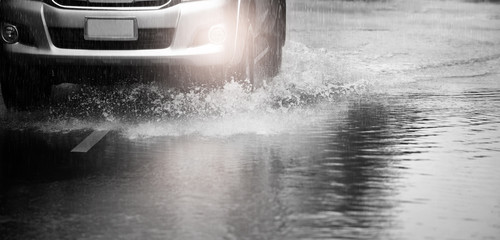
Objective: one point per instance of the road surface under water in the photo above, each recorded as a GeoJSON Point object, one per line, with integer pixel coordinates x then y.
{"type": "Point", "coordinates": [384, 124]}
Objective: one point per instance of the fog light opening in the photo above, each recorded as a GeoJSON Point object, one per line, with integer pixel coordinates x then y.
{"type": "Point", "coordinates": [217, 34]}
{"type": "Point", "coordinates": [10, 34]}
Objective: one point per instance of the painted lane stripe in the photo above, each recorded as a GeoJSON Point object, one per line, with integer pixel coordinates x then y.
{"type": "Point", "coordinates": [90, 141]}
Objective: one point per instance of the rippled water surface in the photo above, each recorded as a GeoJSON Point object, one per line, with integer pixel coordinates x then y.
{"type": "Point", "coordinates": [389, 129]}
{"type": "Point", "coordinates": [387, 166]}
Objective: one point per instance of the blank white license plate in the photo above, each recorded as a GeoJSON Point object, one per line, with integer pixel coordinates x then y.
{"type": "Point", "coordinates": [122, 29]}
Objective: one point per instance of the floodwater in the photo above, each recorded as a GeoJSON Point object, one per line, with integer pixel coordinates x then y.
{"type": "Point", "coordinates": [384, 124]}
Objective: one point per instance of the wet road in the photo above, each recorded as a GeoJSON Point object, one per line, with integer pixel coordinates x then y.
{"type": "Point", "coordinates": [385, 124]}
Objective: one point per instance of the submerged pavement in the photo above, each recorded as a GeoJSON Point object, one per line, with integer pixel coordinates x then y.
{"type": "Point", "coordinates": [384, 124]}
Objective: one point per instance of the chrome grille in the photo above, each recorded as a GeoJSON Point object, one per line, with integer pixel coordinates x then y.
{"type": "Point", "coordinates": [114, 3]}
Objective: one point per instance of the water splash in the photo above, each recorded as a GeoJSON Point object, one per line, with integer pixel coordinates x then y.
{"type": "Point", "coordinates": [309, 77]}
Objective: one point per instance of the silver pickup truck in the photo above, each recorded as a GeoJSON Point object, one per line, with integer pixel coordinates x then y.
{"type": "Point", "coordinates": [45, 42]}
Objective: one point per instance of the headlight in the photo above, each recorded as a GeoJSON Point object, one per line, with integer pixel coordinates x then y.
{"type": "Point", "coordinates": [9, 33]}
{"type": "Point", "coordinates": [217, 34]}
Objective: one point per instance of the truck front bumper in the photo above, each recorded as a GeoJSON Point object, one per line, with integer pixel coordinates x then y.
{"type": "Point", "coordinates": [189, 23]}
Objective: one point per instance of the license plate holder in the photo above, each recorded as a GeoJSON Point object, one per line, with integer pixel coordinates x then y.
{"type": "Point", "coordinates": [111, 29]}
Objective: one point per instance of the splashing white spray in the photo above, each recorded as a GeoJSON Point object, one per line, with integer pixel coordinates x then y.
{"type": "Point", "coordinates": [309, 77]}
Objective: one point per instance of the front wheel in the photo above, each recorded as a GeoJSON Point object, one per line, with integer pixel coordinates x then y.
{"type": "Point", "coordinates": [244, 71]}
{"type": "Point", "coordinates": [276, 40]}
{"type": "Point", "coordinates": [23, 88]}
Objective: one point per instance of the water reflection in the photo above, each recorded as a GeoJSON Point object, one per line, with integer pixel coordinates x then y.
{"type": "Point", "coordinates": [380, 167]}
{"type": "Point", "coordinates": [345, 187]}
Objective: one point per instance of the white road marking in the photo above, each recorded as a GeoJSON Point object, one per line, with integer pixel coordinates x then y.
{"type": "Point", "coordinates": [90, 141]}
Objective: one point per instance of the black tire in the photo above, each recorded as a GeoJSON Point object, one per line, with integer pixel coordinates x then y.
{"type": "Point", "coordinates": [244, 71]}
{"type": "Point", "coordinates": [276, 40]}
{"type": "Point", "coordinates": [249, 58]}
{"type": "Point", "coordinates": [24, 87]}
